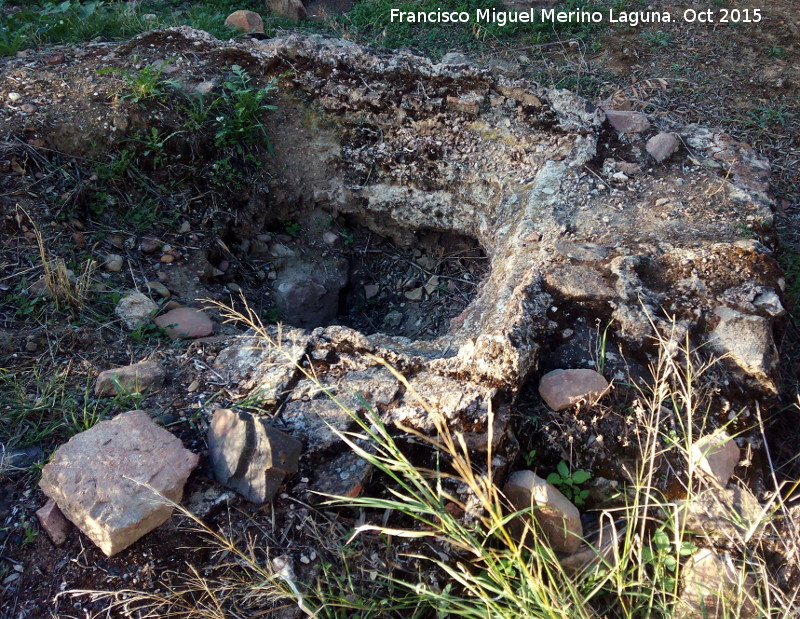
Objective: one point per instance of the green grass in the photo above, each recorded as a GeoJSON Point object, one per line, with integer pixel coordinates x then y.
{"type": "Point", "coordinates": [38, 407]}
{"type": "Point", "coordinates": [29, 24]}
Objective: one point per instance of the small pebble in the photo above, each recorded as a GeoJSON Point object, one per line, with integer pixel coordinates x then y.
{"type": "Point", "coordinates": [14, 97]}
{"type": "Point", "coordinates": [55, 59]}
{"type": "Point", "coordinates": [193, 386]}
{"type": "Point", "coordinates": [28, 108]}
{"type": "Point", "coordinates": [167, 258]}
{"type": "Point", "coordinates": [114, 263]}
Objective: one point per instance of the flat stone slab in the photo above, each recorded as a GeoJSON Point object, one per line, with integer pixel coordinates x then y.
{"type": "Point", "coordinates": [136, 378]}
{"type": "Point", "coordinates": [111, 480]}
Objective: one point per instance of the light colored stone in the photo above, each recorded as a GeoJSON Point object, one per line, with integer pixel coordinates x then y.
{"type": "Point", "coordinates": [114, 263]}
{"type": "Point", "coordinates": [53, 522]}
{"type": "Point", "coordinates": [135, 309]}
{"type": "Point", "coordinates": [249, 455]}
{"type": "Point", "coordinates": [371, 291]}
{"type": "Point", "coordinates": [290, 9]}
{"type": "Point", "coordinates": [246, 21]}
{"type": "Point", "coordinates": [561, 389]}
{"type": "Point", "coordinates": [109, 480]}
{"type": "Point", "coordinates": [716, 455]}
{"type": "Point", "coordinates": [137, 378]}
{"type": "Point", "coordinates": [158, 288]}
{"type": "Point", "coordinates": [724, 514]}
{"type": "Point", "coordinates": [662, 145]}
{"type": "Point", "coordinates": [558, 519]}
{"type": "Point", "coordinates": [746, 342]}
{"type": "Point", "coordinates": [627, 122]}
{"type": "Point", "coordinates": [185, 323]}
{"type": "Point", "coordinates": [580, 283]}
{"type": "Point", "coordinates": [713, 588]}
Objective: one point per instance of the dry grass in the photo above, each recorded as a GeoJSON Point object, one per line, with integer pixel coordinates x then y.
{"type": "Point", "coordinates": [459, 556]}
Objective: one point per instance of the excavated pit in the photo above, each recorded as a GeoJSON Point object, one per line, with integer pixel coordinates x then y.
{"type": "Point", "coordinates": [503, 209]}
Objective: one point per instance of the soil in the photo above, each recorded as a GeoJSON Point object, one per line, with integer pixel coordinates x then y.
{"type": "Point", "coordinates": [746, 78]}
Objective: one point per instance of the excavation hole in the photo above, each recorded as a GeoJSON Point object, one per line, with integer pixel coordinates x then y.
{"type": "Point", "coordinates": [319, 270]}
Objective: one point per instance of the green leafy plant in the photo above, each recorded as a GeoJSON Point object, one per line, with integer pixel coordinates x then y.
{"type": "Point", "coordinates": [292, 228]}
{"type": "Point", "coordinates": [239, 120]}
{"type": "Point", "coordinates": [663, 553]}
{"type": "Point", "coordinates": [569, 483]}
{"type": "Point", "coordinates": [145, 84]}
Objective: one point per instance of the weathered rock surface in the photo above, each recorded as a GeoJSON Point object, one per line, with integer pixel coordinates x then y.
{"type": "Point", "coordinates": [561, 389]}
{"type": "Point", "coordinates": [716, 455]}
{"type": "Point", "coordinates": [714, 589]}
{"type": "Point", "coordinates": [249, 455]}
{"type": "Point", "coordinates": [53, 522]}
{"type": "Point", "coordinates": [185, 323]}
{"type": "Point", "coordinates": [135, 309]}
{"type": "Point", "coordinates": [138, 377]}
{"type": "Point", "coordinates": [110, 480]}
{"type": "Point", "coordinates": [558, 519]}
{"type": "Point", "coordinates": [746, 342]}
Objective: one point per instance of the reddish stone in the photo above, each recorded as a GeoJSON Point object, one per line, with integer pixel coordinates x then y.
{"type": "Point", "coordinates": [185, 323]}
{"type": "Point", "coordinates": [53, 522]}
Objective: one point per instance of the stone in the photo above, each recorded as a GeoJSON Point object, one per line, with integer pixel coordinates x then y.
{"type": "Point", "coordinates": [460, 405]}
{"type": "Point", "coordinates": [345, 476]}
{"type": "Point", "coordinates": [21, 458]}
{"type": "Point", "coordinates": [136, 378]}
{"type": "Point", "coordinates": [149, 245]}
{"type": "Point", "coordinates": [114, 263]}
{"type": "Point", "coordinates": [627, 122]}
{"type": "Point", "coordinates": [371, 291]}
{"type": "Point", "coordinates": [580, 283]}
{"type": "Point", "coordinates": [393, 319]}
{"type": "Point", "coordinates": [158, 288]}
{"type": "Point", "coordinates": [307, 293]}
{"type": "Point", "coordinates": [185, 323]}
{"type": "Point", "coordinates": [561, 389]}
{"type": "Point", "coordinates": [716, 455]}
{"type": "Point", "coordinates": [312, 415]}
{"type": "Point", "coordinates": [724, 514]}
{"type": "Point", "coordinates": [746, 342]}
{"type": "Point", "coordinates": [662, 145]}
{"type": "Point", "coordinates": [249, 455]}
{"type": "Point", "coordinates": [53, 522]}
{"type": "Point", "coordinates": [557, 518]}
{"type": "Point", "coordinates": [55, 59]}
{"type": "Point", "coordinates": [289, 9]}
{"type": "Point", "coordinates": [111, 480]}
{"type": "Point", "coordinates": [14, 97]}
{"type": "Point", "coordinates": [713, 588]}
{"type": "Point", "coordinates": [246, 21]}
{"type": "Point", "coordinates": [135, 309]}
{"type": "Point", "coordinates": [28, 108]}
